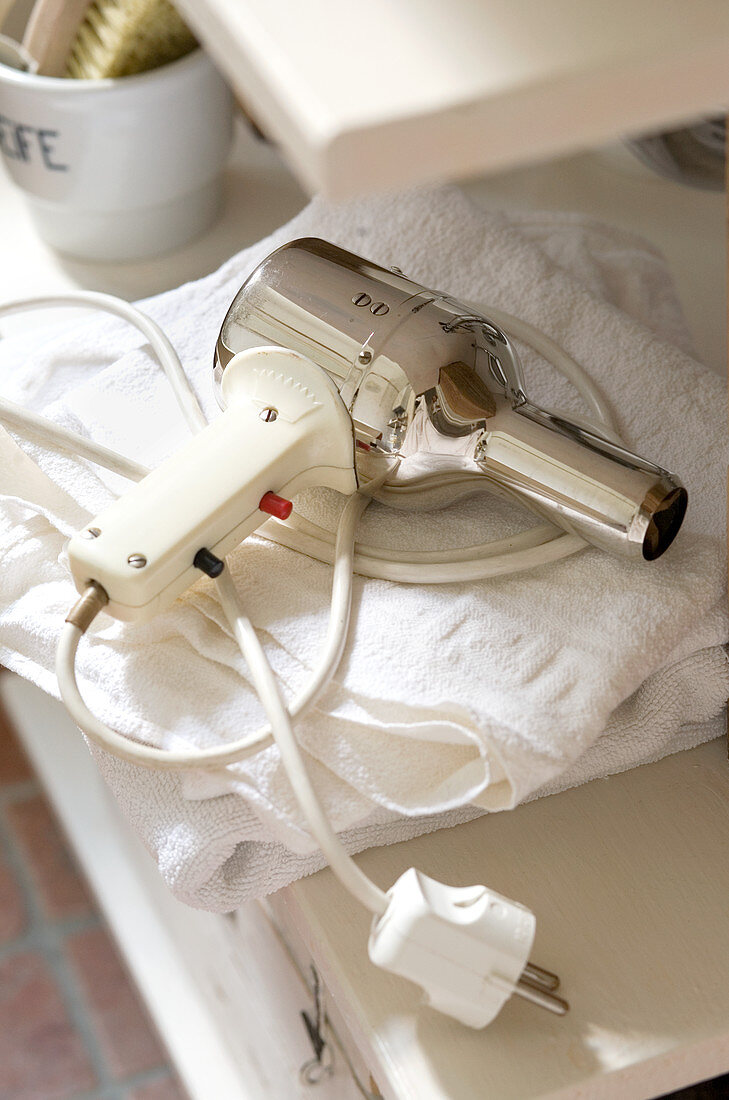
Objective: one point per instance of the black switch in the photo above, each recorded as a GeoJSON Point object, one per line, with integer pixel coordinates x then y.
{"type": "Point", "coordinates": [206, 562]}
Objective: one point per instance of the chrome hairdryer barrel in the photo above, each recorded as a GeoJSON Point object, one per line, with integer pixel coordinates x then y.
{"type": "Point", "coordinates": [421, 372]}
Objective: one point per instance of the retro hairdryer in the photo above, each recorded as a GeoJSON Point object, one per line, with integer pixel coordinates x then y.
{"type": "Point", "coordinates": [362, 368]}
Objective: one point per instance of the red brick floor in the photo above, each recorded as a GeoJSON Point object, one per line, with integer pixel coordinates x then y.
{"type": "Point", "coordinates": [71, 1024]}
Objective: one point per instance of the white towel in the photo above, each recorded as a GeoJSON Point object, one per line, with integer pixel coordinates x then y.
{"type": "Point", "coordinates": [450, 699]}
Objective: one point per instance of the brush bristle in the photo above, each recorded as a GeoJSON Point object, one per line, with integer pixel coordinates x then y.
{"type": "Point", "coordinates": [124, 37]}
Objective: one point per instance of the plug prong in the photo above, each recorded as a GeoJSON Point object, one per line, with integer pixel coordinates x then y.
{"type": "Point", "coordinates": [543, 979]}
{"type": "Point", "coordinates": [541, 998]}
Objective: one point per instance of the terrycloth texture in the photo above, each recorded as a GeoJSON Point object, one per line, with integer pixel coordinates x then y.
{"type": "Point", "coordinates": [486, 693]}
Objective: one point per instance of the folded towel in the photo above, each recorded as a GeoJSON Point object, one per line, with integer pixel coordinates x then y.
{"type": "Point", "coordinates": [450, 699]}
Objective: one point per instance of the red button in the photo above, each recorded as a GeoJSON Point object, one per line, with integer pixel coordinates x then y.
{"type": "Point", "coordinates": [275, 505]}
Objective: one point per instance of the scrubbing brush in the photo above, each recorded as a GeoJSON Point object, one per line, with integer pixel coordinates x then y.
{"type": "Point", "coordinates": [107, 38]}
{"type": "Point", "coordinates": [123, 37]}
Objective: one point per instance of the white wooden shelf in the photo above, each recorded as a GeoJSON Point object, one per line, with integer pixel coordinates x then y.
{"type": "Point", "coordinates": [395, 92]}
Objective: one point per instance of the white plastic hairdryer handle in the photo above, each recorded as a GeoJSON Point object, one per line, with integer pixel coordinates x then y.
{"type": "Point", "coordinates": [285, 428]}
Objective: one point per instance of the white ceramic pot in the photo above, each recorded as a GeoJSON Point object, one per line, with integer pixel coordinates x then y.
{"type": "Point", "coordinates": [118, 169]}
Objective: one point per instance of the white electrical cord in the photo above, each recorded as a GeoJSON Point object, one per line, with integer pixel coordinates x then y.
{"type": "Point", "coordinates": [45, 431]}
{"type": "Point", "coordinates": [525, 550]}
{"type": "Point", "coordinates": [140, 753]}
{"type": "Point", "coordinates": [165, 353]}
{"type": "Point", "coordinates": [269, 693]}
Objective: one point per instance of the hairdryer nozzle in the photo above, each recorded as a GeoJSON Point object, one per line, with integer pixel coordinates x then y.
{"type": "Point", "coordinates": [665, 511]}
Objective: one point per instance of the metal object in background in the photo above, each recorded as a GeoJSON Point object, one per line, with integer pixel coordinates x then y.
{"type": "Point", "coordinates": [321, 1065]}
{"type": "Point", "coordinates": [694, 155]}
{"type": "Point", "coordinates": [429, 376]}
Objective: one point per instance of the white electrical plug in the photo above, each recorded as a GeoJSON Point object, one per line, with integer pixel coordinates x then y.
{"type": "Point", "coordinates": [468, 947]}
